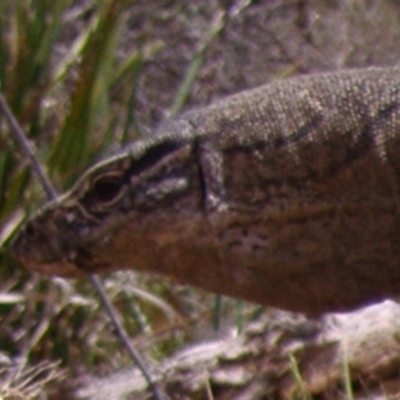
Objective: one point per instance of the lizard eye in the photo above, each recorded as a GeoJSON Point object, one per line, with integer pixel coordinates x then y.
{"type": "Point", "coordinates": [105, 191]}
{"type": "Point", "coordinates": [107, 188]}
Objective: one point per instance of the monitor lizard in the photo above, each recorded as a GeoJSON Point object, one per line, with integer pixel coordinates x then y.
{"type": "Point", "coordinates": [287, 195]}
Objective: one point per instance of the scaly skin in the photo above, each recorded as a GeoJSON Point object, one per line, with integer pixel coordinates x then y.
{"type": "Point", "coordinates": [286, 195]}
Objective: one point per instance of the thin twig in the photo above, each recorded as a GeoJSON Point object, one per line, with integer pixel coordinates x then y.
{"type": "Point", "coordinates": [51, 194]}
{"type": "Point", "coordinates": [27, 149]}
{"type": "Point", "coordinates": [123, 335]}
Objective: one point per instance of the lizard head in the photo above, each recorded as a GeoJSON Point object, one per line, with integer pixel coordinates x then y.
{"type": "Point", "coordinates": [54, 238]}
{"type": "Point", "coordinates": [64, 237]}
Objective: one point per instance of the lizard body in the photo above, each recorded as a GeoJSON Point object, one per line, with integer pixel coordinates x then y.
{"type": "Point", "coordinates": [287, 195]}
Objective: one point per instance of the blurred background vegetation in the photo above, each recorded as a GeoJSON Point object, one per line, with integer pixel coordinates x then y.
{"type": "Point", "coordinates": [84, 77]}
